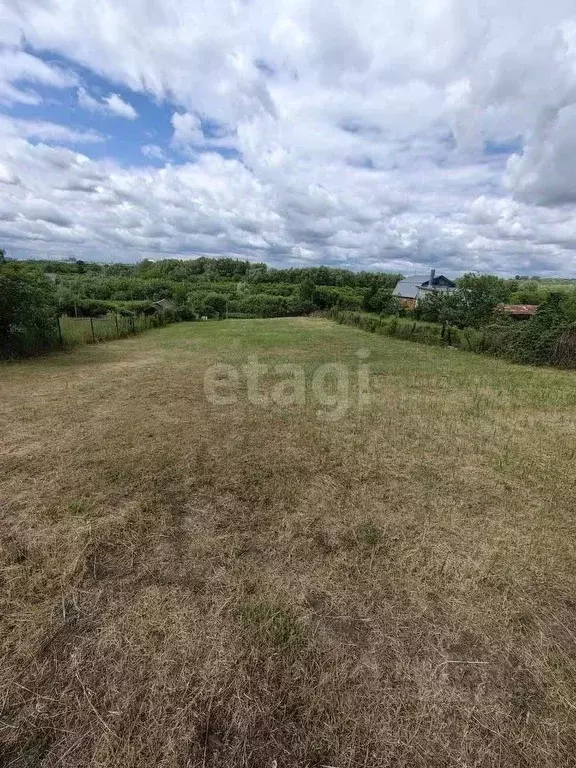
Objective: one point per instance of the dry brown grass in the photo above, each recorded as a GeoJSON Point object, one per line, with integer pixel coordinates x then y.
{"type": "Point", "coordinates": [192, 585]}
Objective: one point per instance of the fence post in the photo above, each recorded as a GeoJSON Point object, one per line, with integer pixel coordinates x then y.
{"type": "Point", "coordinates": [133, 325]}
{"type": "Point", "coordinates": [116, 319]}
{"type": "Point", "coordinates": [59, 332]}
{"type": "Point", "coordinates": [92, 329]}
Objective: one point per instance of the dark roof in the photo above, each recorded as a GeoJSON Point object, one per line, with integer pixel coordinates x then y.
{"type": "Point", "coordinates": [409, 287]}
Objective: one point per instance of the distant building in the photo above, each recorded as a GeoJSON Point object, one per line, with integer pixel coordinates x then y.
{"type": "Point", "coordinates": [163, 305]}
{"type": "Point", "coordinates": [518, 311]}
{"type": "Point", "coordinates": [415, 287]}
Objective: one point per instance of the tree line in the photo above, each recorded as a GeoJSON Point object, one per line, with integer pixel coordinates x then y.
{"type": "Point", "coordinates": [34, 293]}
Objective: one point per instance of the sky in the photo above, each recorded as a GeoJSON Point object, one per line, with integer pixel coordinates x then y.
{"type": "Point", "coordinates": [363, 134]}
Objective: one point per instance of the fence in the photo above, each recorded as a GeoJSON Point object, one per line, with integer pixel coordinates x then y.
{"type": "Point", "coordinates": [526, 342]}
{"type": "Point", "coordinates": [73, 331]}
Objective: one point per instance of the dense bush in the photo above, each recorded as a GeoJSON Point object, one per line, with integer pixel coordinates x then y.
{"type": "Point", "coordinates": [547, 339]}
{"type": "Point", "coordinates": [27, 311]}
{"type": "Point", "coordinates": [564, 351]}
{"type": "Point", "coordinates": [379, 299]}
{"type": "Point", "coordinates": [534, 341]}
{"type": "Point", "coordinates": [472, 305]}
{"type": "Point", "coordinates": [209, 305]}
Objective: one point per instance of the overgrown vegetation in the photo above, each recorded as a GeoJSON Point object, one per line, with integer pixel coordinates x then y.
{"type": "Point", "coordinates": [212, 287]}
{"type": "Point", "coordinates": [27, 311]}
{"type": "Point", "coordinates": [547, 339]}
{"type": "Point", "coordinates": [470, 318]}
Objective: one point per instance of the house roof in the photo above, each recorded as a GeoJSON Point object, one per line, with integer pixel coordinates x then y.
{"type": "Point", "coordinates": [409, 287]}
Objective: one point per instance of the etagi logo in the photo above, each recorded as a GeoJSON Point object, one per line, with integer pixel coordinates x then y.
{"type": "Point", "coordinates": [332, 388]}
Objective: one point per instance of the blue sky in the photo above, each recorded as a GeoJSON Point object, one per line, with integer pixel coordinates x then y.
{"type": "Point", "coordinates": [122, 138]}
{"type": "Point", "coordinates": [358, 134]}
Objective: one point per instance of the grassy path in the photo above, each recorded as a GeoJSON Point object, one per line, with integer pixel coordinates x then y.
{"type": "Point", "coordinates": [193, 584]}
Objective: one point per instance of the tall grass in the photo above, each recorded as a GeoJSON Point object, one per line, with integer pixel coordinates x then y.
{"type": "Point", "coordinates": [86, 330]}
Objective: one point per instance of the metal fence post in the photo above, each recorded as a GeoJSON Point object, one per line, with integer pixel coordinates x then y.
{"type": "Point", "coordinates": [92, 328]}
{"type": "Point", "coordinates": [116, 319]}
{"type": "Point", "coordinates": [59, 332]}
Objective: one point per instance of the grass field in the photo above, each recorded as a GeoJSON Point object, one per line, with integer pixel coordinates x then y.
{"type": "Point", "coordinates": [193, 584]}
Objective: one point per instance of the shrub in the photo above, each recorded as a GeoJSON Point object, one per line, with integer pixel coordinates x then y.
{"type": "Point", "coordinates": [27, 311]}
{"type": "Point", "coordinates": [211, 305]}
{"type": "Point", "coordinates": [564, 351]}
{"type": "Point", "coordinates": [547, 339]}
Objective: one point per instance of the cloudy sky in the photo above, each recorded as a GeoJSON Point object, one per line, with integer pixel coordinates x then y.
{"type": "Point", "coordinates": [381, 134]}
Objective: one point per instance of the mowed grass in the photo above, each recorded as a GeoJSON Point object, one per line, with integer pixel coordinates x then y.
{"type": "Point", "coordinates": [188, 584]}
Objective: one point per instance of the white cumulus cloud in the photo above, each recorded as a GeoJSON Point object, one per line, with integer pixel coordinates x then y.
{"type": "Point", "coordinates": [153, 151]}
{"type": "Point", "coordinates": [187, 129]}
{"type": "Point", "coordinates": [47, 131]}
{"type": "Point", "coordinates": [18, 67]}
{"type": "Point", "coordinates": [363, 133]}
{"type": "Point", "coordinates": [112, 104]}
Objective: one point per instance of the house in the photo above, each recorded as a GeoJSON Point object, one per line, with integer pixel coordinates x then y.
{"type": "Point", "coordinates": [518, 311]}
{"type": "Point", "coordinates": [411, 289]}
{"type": "Point", "coordinates": [163, 305]}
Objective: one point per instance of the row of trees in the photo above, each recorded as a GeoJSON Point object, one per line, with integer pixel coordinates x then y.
{"type": "Point", "coordinates": [205, 269]}
{"type": "Point", "coordinates": [549, 338]}
{"type": "Point", "coordinates": [188, 283]}
{"type": "Point", "coordinates": [90, 293]}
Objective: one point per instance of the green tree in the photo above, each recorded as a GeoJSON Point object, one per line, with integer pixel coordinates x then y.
{"type": "Point", "coordinates": [379, 299]}
{"type": "Point", "coordinates": [307, 291]}
{"type": "Point", "coordinates": [212, 305]}
{"type": "Point", "coordinates": [179, 293]}
{"type": "Point", "coordinates": [470, 306]}
{"type": "Point", "coordinates": [480, 295]}
{"type": "Point", "coordinates": [27, 311]}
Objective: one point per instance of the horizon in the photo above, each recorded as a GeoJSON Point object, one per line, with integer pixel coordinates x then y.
{"type": "Point", "coordinates": [439, 272]}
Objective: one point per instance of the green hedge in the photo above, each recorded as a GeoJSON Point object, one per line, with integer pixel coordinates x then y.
{"type": "Point", "coordinates": [543, 340]}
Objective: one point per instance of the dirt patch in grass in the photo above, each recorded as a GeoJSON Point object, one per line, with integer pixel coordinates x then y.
{"type": "Point", "coordinates": [184, 584]}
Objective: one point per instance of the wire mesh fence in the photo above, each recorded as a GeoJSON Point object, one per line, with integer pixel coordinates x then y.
{"type": "Point", "coordinates": [73, 331]}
